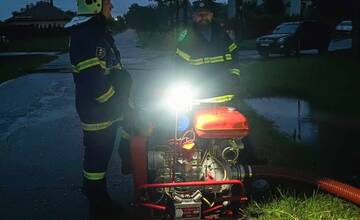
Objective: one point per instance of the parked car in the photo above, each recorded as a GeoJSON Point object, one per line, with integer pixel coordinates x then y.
{"type": "Point", "coordinates": [291, 37]}
{"type": "Point", "coordinates": [344, 26]}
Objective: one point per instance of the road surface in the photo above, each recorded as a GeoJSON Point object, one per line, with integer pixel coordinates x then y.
{"type": "Point", "coordinates": [41, 140]}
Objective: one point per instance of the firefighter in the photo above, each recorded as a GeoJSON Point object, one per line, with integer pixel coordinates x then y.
{"type": "Point", "coordinates": [206, 54]}
{"type": "Point", "coordinates": [102, 87]}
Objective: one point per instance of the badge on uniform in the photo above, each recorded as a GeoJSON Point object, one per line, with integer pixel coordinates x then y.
{"type": "Point", "coordinates": [100, 52]}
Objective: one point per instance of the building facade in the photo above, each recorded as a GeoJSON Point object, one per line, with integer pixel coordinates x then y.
{"type": "Point", "coordinates": [42, 15]}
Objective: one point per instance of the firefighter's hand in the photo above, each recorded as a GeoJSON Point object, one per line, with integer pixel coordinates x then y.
{"type": "Point", "coordinates": [143, 127]}
{"type": "Point", "coordinates": [130, 115]}
{"type": "Point", "coordinates": [147, 129]}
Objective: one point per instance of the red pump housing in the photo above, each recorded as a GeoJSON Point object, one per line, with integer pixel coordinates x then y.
{"type": "Point", "coordinates": [220, 122]}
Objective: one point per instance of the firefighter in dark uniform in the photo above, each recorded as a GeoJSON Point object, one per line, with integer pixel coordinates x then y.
{"type": "Point", "coordinates": [102, 99]}
{"type": "Point", "coordinates": [206, 54]}
{"type": "Point", "coordinates": [208, 57]}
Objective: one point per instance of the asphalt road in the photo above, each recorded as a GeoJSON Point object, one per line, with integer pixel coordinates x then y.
{"type": "Point", "coordinates": [41, 140]}
{"type": "Point", "coordinates": [41, 143]}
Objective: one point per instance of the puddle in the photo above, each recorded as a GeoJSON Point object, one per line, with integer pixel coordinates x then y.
{"type": "Point", "coordinates": [290, 116]}
{"type": "Point", "coordinates": [334, 138]}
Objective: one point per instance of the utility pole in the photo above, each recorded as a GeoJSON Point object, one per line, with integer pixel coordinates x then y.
{"type": "Point", "coordinates": [239, 20]}
{"type": "Point", "coordinates": [356, 28]}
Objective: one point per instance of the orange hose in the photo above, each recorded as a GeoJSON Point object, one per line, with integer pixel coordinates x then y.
{"type": "Point", "coordinates": [337, 188]}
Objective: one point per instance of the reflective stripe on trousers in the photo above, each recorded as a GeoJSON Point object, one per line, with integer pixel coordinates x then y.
{"type": "Point", "coordinates": [106, 96]}
{"type": "Point", "coordinates": [97, 155]}
{"type": "Point", "coordinates": [99, 126]}
{"type": "Point", "coordinates": [94, 176]}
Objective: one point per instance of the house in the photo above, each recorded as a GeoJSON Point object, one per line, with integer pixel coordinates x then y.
{"type": "Point", "coordinates": [42, 15]}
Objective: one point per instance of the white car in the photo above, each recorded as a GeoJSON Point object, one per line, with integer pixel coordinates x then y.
{"type": "Point", "coordinates": [344, 26]}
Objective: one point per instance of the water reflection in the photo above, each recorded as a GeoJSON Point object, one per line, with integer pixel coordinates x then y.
{"type": "Point", "coordinates": [334, 138]}
{"type": "Point", "coordinates": [290, 116]}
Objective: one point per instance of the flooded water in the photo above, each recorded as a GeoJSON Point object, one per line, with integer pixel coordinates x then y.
{"type": "Point", "coordinates": [333, 138]}
{"type": "Point", "coordinates": [290, 116]}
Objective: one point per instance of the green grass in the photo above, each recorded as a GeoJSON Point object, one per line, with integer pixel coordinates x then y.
{"type": "Point", "coordinates": [15, 66]}
{"type": "Point", "coordinates": [330, 81]}
{"type": "Point", "coordinates": [40, 44]}
{"type": "Point", "coordinates": [247, 45]}
{"type": "Point", "coordinates": [292, 206]}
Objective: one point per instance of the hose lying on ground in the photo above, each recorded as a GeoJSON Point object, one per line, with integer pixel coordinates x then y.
{"type": "Point", "coordinates": [337, 188]}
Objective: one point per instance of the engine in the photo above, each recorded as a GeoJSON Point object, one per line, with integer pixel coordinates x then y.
{"type": "Point", "coordinates": [215, 159]}
{"type": "Point", "coordinates": [207, 152]}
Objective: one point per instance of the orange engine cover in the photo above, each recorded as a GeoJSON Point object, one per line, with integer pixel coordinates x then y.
{"type": "Point", "coordinates": [220, 122]}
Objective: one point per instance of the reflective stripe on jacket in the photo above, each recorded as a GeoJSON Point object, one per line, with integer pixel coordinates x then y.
{"type": "Point", "coordinates": [195, 49]}
{"type": "Point", "coordinates": [211, 62]}
{"type": "Point", "coordinates": [98, 75]}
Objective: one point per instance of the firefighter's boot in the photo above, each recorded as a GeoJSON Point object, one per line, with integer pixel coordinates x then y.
{"type": "Point", "coordinates": [101, 205]}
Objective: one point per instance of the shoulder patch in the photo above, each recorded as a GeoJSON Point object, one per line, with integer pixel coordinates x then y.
{"type": "Point", "coordinates": [100, 52]}
{"type": "Point", "coordinates": [182, 35]}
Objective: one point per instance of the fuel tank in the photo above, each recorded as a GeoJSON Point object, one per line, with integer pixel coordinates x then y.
{"type": "Point", "coordinates": [220, 122]}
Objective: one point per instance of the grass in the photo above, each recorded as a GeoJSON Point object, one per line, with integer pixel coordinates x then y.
{"type": "Point", "coordinates": [40, 44]}
{"type": "Point", "coordinates": [15, 66]}
{"type": "Point", "coordinates": [247, 44]}
{"type": "Point", "coordinates": [330, 81]}
{"type": "Point", "coordinates": [289, 205]}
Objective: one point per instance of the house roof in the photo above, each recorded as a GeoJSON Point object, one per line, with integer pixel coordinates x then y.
{"type": "Point", "coordinates": [41, 11]}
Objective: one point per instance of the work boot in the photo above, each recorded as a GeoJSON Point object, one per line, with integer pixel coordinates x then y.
{"type": "Point", "coordinates": [101, 205]}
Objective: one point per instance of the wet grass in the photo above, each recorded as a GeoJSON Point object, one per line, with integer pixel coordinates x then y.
{"type": "Point", "coordinates": [329, 81]}
{"type": "Point", "coordinates": [15, 66]}
{"type": "Point", "coordinates": [286, 204]}
{"type": "Point", "coordinates": [286, 200]}
{"type": "Point", "coordinates": [247, 44]}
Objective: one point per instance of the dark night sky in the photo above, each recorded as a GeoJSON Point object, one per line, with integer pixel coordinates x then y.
{"type": "Point", "coordinates": [8, 6]}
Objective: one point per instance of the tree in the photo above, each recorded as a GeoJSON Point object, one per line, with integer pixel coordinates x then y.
{"type": "Point", "coordinates": [274, 7]}
{"type": "Point", "coordinates": [117, 24]}
{"type": "Point", "coordinates": [356, 28]}
{"type": "Point", "coordinates": [142, 18]}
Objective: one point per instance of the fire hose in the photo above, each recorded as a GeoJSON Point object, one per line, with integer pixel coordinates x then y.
{"type": "Point", "coordinates": [337, 188]}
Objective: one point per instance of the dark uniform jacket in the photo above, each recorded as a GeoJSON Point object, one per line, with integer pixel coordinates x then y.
{"type": "Point", "coordinates": [102, 85]}
{"type": "Point", "coordinates": [209, 64]}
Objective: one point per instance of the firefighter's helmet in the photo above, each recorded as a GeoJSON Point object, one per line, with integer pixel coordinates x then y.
{"type": "Point", "coordinates": [203, 5]}
{"type": "Point", "coordinates": [89, 7]}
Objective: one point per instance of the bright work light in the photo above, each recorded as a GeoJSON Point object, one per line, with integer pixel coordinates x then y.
{"type": "Point", "coordinates": [180, 97]}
